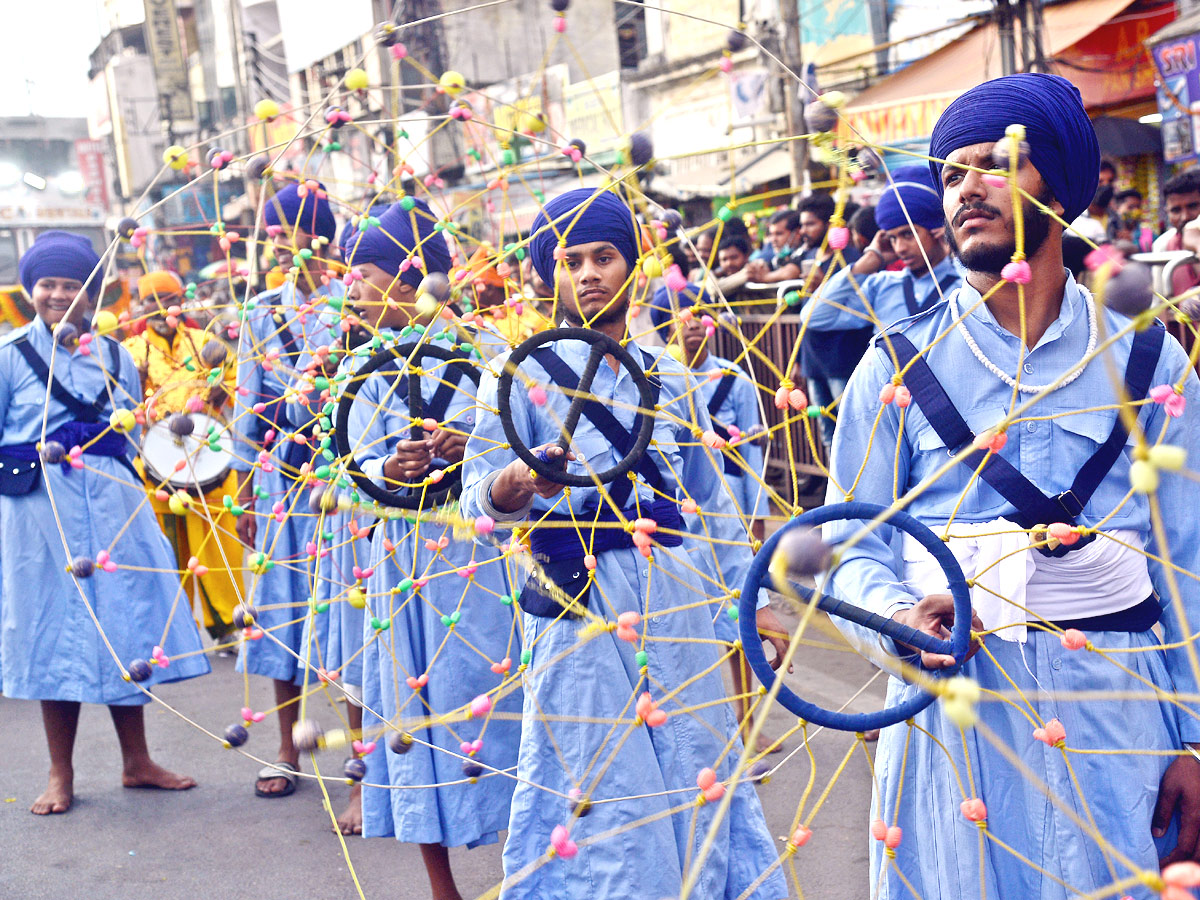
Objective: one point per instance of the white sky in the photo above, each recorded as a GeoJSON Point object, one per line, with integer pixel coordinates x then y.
{"type": "Point", "coordinates": [47, 43]}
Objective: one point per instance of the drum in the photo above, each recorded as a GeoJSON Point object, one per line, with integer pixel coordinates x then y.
{"type": "Point", "coordinates": [206, 452]}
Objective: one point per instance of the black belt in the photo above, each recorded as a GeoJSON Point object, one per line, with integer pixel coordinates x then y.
{"type": "Point", "coordinates": [1138, 618]}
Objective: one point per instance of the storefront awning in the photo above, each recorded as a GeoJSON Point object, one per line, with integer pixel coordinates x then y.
{"type": "Point", "coordinates": [906, 105]}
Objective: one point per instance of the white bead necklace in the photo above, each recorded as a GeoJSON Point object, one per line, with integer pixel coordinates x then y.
{"type": "Point", "coordinates": [1093, 333]}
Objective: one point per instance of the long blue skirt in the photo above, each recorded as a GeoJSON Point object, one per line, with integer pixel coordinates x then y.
{"type": "Point", "coordinates": [942, 854]}
{"type": "Point", "coordinates": [580, 681]}
{"type": "Point", "coordinates": [50, 645]}
{"type": "Point", "coordinates": [430, 800]}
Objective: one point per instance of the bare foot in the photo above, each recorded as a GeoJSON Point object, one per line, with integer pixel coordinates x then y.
{"type": "Point", "coordinates": [350, 821]}
{"type": "Point", "coordinates": [768, 745]}
{"type": "Point", "coordinates": [56, 798]}
{"type": "Point", "coordinates": [150, 774]}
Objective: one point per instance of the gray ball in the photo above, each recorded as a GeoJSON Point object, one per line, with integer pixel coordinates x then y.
{"type": "Point", "coordinates": [244, 615]}
{"type": "Point", "coordinates": [400, 742]}
{"type": "Point", "coordinates": [819, 117]}
{"type": "Point", "coordinates": [306, 735]}
{"type": "Point", "coordinates": [214, 354]}
{"type": "Point", "coordinates": [806, 552]}
{"type": "Point", "coordinates": [181, 424]}
{"type": "Point", "coordinates": [1130, 291]}
{"type": "Point", "coordinates": [436, 285]}
{"type": "Point", "coordinates": [53, 452]}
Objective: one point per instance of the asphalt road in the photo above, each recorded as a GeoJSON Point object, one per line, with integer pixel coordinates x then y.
{"type": "Point", "coordinates": [220, 840]}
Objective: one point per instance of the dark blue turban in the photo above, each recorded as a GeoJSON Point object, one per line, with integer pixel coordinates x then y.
{"type": "Point", "coordinates": [604, 217]}
{"type": "Point", "coordinates": [910, 196]}
{"type": "Point", "coordinates": [392, 241]}
{"type": "Point", "coordinates": [661, 311]}
{"type": "Point", "coordinates": [1062, 142]}
{"type": "Point", "coordinates": [289, 210]}
{"type": "Point", "coordinates": [60, 254]}
{"type": "Point", "coordinates": [350, 229]}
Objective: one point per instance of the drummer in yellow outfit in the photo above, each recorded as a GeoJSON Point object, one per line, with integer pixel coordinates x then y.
{"type": "Point", "coordinates": [173, 363]}
{"type": "Point", "coordinates": [486, 288]}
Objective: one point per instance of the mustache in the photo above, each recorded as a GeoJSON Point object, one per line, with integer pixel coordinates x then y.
{"type": "Point", "coordinates": [978, 206]}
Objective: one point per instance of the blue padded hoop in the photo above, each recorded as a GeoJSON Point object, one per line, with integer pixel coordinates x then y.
{"type": "Point", "coordinates": [956, 646]}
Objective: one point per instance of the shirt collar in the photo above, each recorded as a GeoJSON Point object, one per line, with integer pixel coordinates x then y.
{"type": "Point", "coordinates": [1072, 308]}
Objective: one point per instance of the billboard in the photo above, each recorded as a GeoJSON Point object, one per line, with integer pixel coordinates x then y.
{"type": "Point", "coordinates": [1178, 97]}
{"type": "Point", "coordinates": [166, 52]}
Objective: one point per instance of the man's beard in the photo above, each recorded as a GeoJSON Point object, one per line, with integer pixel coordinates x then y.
{"type": "Point", "coordinates": [616, 311]}
{"type": "Point", "coordinates": [992, 259]}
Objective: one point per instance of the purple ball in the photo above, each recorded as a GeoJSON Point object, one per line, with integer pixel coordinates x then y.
{"type": "Point", "coordinates": [806, 553]}
{"type": "Point", "coordinates": [83, 566]}
{"type": "Point", "coordinates": [355, 769]}
{"type": "Point", "coordinates": [578, 145]}
{"type": "Point", "coordinates": [53, 452]}
{"type": "Point", "coordinates": [256, 168]}
{"type": "Point", "coordinates": [819, 117]}
{"type": "Point", "coordinates": [400, 742]}
{"type": "Point", "coordinates": [66, 334]}
{"type": "Point", "coordinates": [181, 424]}
{"type": "Point", "coordinates": [735, 40]}
{"type": "Point", "coordinates": [236, 735]}
{"type": "Point", "coordinates": [560, 5]}
{"type": "Point", "coordinates": [214, 354]}
{"type": "Point", "coordinates": [244, 615]}
{"type": "Point", "coordinates": [1130, 291]}
{"type": "Point", "coordinates": [139, 670]}
{"type": "Point", "coordinates": [641, 148]}
{"type": "Point", "coordinates": [471, 768]}
{"type": "Point", "coordinates": [126, 227]}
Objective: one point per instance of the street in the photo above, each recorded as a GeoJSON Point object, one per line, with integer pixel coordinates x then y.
{"type": "Point", "coordinates": [219, 838]}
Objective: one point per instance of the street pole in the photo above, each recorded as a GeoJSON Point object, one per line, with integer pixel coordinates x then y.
{"type": "Point", "coordinates": [789, 17]}
{"type": "Point", "coordinates": [1004, 27]}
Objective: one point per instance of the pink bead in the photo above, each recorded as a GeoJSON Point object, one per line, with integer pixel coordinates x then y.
{"type": "Point", "coordinates": [656, 718]}
{"type": "Point", "coordinates": [706, 779]}
{"type": "Point", "coordinates": [726, 64]}
{"type": "Point", "coordinates": [259, 408]}
{"type": "Point", "coordinates": [689, 506]}
{"type": "Point", "coordinates": [797, 399]}
{"type": "Point", "coordinates": [102, 557]}
{"type": "Point", "coordinates": [1182, 875]}
{"type": "Point", "coordinates": [1073, 639]}
{"type": "Point", "coordinates": [887, 393]}
{"type": "Point", "coordinates": [481, 705]}
{"type": "Point", "coordinates": [675, 279]}
{"type": "Point", "coordinates": [560, 840]}
{"type": "Point", "coordinates": [996, 181]}
{"type": "Point", "coordinates": [781, 398]}
{"type": "Point", "coordinates": [247, 714]}
{"type": "Point", "coordinates": [878, 829]}
{"type": "Point", "coordinates": [973, 809]}
{"type": "Point", "coordinates": [485, 525]}
{"type": "Point", "coordinates": [1051, 734]}
{"type": "Point", "coordinates": [839, 237]}
{"type": "Point", "coordinates": [903, 397]}
{"type": "Point", "coordinates": [537, 395]}
{"type": "Point", "coordinates": [712, 440]}
{"type": "Point", "coordinates": [560, 24]}
{"type": "Point", "coordinates": [714, 793]}
{"type": "Point", "coordinates": [647, 525]}
{"type": "Point", "coordinates": [629, 619]}
{"type": "Point", "coordinates": [892, 839]}
{"type": "Point", "coordinates": [800, 836]}
{"type": "Point", "coordinates": [1063, 533]}
{"type": "Point", "coordinates": [399, 51]}
{"type": "Point", "coordinates": [1017, 272]}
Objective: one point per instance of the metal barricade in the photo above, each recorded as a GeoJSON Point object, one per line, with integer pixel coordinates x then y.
{"type": "Point", "coordinates": [797, 475]}
{"type": "Point", "coordinates": [1164, 265]}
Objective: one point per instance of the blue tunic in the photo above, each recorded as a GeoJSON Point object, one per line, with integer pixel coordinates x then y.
{"type": "Point", "coordinates": [50, 646]}
{"type": "Point", "coordinates": [942, 854]}
{"type": "Point", "coordinates": [429, 800]}
{"type": "Point", "coordinates": [581, 680]}
{"type": "Point", "coordinates": [280, 595]}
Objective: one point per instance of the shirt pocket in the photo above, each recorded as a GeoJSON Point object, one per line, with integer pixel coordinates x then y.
{"type": "Point", "coordinates": [930, 454]}
{"type": "Point", "coordinates": [1077, 435]}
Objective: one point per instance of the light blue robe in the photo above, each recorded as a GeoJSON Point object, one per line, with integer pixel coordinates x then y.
{"type": "Point", "coordinates": [280, 596]}
{"type": "Point", "coordinates": [597, 678]}
{"type": "Point", "coordinates": [50, 645]}
{"type": "Point", "coordinates": [430, 801]}
{"type": "Point", "coordinates": [940, 853]}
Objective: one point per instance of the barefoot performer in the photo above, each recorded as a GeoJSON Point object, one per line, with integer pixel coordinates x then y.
{"type": "Point", "coordinates": [63, 390]}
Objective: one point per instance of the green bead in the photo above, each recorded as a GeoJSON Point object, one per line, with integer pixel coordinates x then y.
{"type": "Point", "coordinates": [329, 455]}
{"type": "Point", "coordinates": [329, 408]}
{"type": "Point", "coordinates": [406, 331]}
{"type": "Point", "coordinates": [376, 623]}
{"type": "Point", "coordinates": [814, 412]}
{"type": "Point", "coordinates": [539, 196]}
{"type": "Point", "coordinates": [327, 535]}
{"type": "Point", "coordinates": [642, 657]}
{"type": "Point", "coordinates": [401, 133]}
{"type": "Point", "coordinates": [354, 497]}
{"type": "Point", "coordinates": [473, 153]}
{"type": "Point", "coordinates": [732, 612]}
{"type": "Point", "coordinates": [526, 657]}
{"type": "Point", "coordinates": [260, 492]}
{"type": "Point", "coordinates": [214, 446]}
{"type": "Point", "coordinates": [520, 253]}
{"type": "Point", "coordinates": [236, 510]}
{"type": "Point", "coordinates": [792, 298]}
{"type": "Point", "coordinates": [724, 213]}
{"type": "Point", "coordinates": [405, 585]}
{"type": "Point", "coordinates": [228, 501]}
{"type": "Point", "coordinates": [447, 621]}
{"type": "Point", "coordinates": [407, 203]}
{"type": "Point", "coordinates": [342, 482]}
{"type": "Point", "coordinates": [335, 145]}
{"type": "Point", "coordinates": [305, 253]}
{"type": "Point", "coordinates": [506, 599]}
{"type": "Point", "coordinates": [322, 472]}
{"type": "Point", "coordinates": [323, 607]}
{"type": "Point", "coordinates": [508, 158]}
{"type": "Point", "coordinates": [335, 303]}
{"type": "Point", "coordinates": [325, 441]}
{"type": "Point", "coordinates": [320, 382]}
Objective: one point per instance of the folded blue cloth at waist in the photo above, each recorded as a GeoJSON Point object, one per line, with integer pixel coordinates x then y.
{"type": "Point", "coordinates": [573, 543]}
{"type": "Point", "coordinates": [95, 437]}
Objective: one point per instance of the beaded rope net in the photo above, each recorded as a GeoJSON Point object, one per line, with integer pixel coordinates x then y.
{"type": "Point", "coordinates": [739, 327]}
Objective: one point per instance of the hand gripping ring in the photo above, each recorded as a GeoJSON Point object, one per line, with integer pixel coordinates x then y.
{"type": "Point", "coordinates": [405, 497]}
{"type": "Point", "coordinates": [956, 646]}
{"type": "Point", "coordinates": [601, 346]}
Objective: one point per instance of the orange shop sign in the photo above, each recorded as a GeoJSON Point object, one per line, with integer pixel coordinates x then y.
{"type": "Point", "coordinates": [894, 123]}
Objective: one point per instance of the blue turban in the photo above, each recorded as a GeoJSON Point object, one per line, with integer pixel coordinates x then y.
{"type": "Point", "coordinates": [1062, 142]}
{"type": "Point", "coordinates": [661, 311]}
{"type": "Point", "coordinates": [289, 210]}
{"type": "Point", "coordinates": [60, 254]}
{"type": "Point", "coordinates": [351, 229]}
{"type": "Point", "coordinates": [910, 196]}
{"type": "Point", "coordinates": [390, 243]}
{"type": "Point", "coordinates": [604, 217]}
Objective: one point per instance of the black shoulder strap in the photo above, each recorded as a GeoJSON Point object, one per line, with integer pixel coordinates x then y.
{"type": "Point", "coordinates": [724, 386]}
{"type": "Point", "coordinates": [1032, 506]}
{"type": "Point", "coordinates": [933, 296]}
{"type": "Point", "coordinates": [81, 410]}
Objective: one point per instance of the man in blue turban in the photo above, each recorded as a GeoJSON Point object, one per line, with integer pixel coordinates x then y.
{"type": "Point", "coordinates": [1004, 384]}
{"type": "Point", "coordinates": [60, 256]}
{"type": "Point", "coordinates": [586, 245]}
{"type": "Point", "coordinates": [278, 362]}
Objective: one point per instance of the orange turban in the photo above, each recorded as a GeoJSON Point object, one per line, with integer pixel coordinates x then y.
{"type": "Point", "coordinates": [159, 283]}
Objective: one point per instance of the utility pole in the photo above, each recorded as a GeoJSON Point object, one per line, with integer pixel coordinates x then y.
{"type": "Point", "coordinates": [789, 18]}
{"type": "Point", "coordinates": [1004, 27]}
